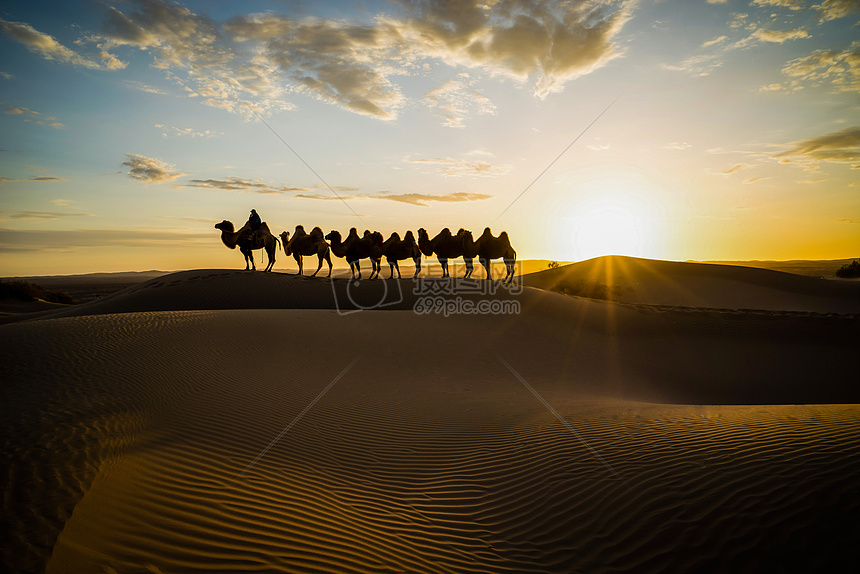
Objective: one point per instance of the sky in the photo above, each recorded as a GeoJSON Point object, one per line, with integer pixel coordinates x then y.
{"type": "Point", "coordinates": [675, 129]}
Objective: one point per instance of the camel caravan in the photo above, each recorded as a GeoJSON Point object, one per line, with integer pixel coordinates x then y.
{"type": "Point", "coordinates": [372, 245]}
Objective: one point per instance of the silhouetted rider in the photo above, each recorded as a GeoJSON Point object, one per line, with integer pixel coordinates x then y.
{"type": "Point", "coordinates": [253, 224]}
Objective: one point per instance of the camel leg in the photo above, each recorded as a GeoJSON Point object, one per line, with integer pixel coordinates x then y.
{"type": "Point", "coordinates": [270, 251]}
{"type": "Point", "coordinates": [397, 266]}
{"type": "Point", "coordinates": [357, 268]}
{"type": "Point", "coordinates": [469, 268]}
{"type": "Point", "coordinates": [328, 260]}
{"type": "Point", "coordinates": [486, 264]}
{"type": "Point", "coordinates": [417, 261]}
{"type": "Point", "coordinates": [444, 264]}
{"type": "Point", "coordinates": [298, 257]}
{"type": "Point", "coordinates": [320, 258]}
{"type": "Point", "coordinates": [391, 263]}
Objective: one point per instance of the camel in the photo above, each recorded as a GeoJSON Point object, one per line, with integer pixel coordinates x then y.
{"type": "Point", "coordinates": [396, 249]}
{"type": "Point", "coordinates": [262, 239]}
{"type": "Point", "coordinates": [355, 248]}
{"type": "Point", "coordinates": [489, 248]}
{"type": "Point", "coordinates": [447, 246]}
{"type": "Point", "coordinates": [303, 243]}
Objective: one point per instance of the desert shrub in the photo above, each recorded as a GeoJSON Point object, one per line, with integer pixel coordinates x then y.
{"type": "Point", "coordinates": [850, 270]}
{"type": "Point", "coordinates": [26, 291]}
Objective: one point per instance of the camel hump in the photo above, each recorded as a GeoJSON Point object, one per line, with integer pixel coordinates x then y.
{"type": "Point", "coordinates": [300, 229]}
{"type": "Point", "coordinates": [395, 236]}
{"type": "Point", "coordinates": [408, 236]}
{"type": "Point", "coordinates": [317, 232]}
{"type": "Point", "coordinates": [504, 235]}
{"type": "Point", "coordinates": [445, 232]}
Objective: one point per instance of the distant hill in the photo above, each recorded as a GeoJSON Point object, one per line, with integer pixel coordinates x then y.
{"type": "Point", "coordinates": [811, 268]}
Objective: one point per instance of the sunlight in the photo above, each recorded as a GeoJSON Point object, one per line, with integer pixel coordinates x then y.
{"type": "Point", "coordinates": [609, 230]}
{"type": "Point", "coordinates": [610, 222]}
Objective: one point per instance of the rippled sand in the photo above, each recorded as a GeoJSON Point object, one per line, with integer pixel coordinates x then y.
{"type": "Point", "coordinates": [304, 440]}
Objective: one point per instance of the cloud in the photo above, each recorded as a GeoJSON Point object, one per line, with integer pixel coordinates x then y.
{"type": "Point", "coordinates": [678, 145]}
{"type": "Point", "coordinates": [421, 199]}
{"type": "Point", "coordinates": [698, 65]}
{"type": "Point", "coordinates": [233, 183]}
{"type": "Point", "coordinates": [180, 132]}
{"type": "Point", "coordinates": [35, 178]}
{"type": "Point", "coordinates": [44, 45]}
{"type": "Point", "coordinates": [790, 4]}
{"type": "Point", "coordinates": [418, 199]}
{"type": "Point", "coordinates": [52, 215]}
{"type": "Point", "coordinates": [733, 169]}
{"type": "Point", "coordinates": [836, 147]}
{"type": "Point", "coordinates": [839, 69]}
{"type": "Point", "coordinates": [717, 40]}
{"type": "Point", "coordinates": [452, 167]}
{"type": "Point", "coordinates": [33, 117]}
{"type": "Point", "coordinates": [835, 9]}
{"type": "Point", "coordinates": [149, 170]}
{"type": "Point", "coordinates": [23, 240]}
{"type": "Point", "coordinates": [267, 57]}
{"type": "Point", "coordinates": [754, 180]}
{"type": "Point", "coordinates": [140, 86]}
{"type": "Point", "coordinates": [767, 35]}
{"type": "Point", "coordinates": [455, 99]}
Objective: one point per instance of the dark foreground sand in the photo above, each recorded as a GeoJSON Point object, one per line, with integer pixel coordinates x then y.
{"type": "Point", "coordinates": [220, 421]}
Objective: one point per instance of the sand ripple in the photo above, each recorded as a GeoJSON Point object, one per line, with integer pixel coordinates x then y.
{"type": "Point", "coordinates": [128, 440]}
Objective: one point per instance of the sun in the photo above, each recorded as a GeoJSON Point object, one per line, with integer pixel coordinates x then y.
{"type": "Point", "coordinates": [608, 227]}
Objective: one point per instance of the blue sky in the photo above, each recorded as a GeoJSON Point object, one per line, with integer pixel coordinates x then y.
{"type": "Point", "coordinates": [129, 128]}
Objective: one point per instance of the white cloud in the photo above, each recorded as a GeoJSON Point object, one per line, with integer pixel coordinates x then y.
{"type": "Point", "coordinates": [44, 45]}
{"type": "Point", "coordinates": [167, 131]}
{"type": "Point", "coordinates": [149, 170]}
{"type": "Point", "coordinates": [455, 99]}
{"type": "Point", "coordinates": [459, 167]}
{"type": "Point", "coordinates": [835, 9]}
{"type": "Point", "coordinates": [839, 69]}
{"type": "Point", "coordinates": [836, 147]}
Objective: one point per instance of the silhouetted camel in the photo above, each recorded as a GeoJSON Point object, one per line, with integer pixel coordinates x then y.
{"type": "Point", "coordinates": [446, 246]}
{"type": "Point", "coordinates": [396, 250]}
{"type": "Point", "coordinates": [263, 239]}
{"type": "Point", "coordinates": [303, 243]}
{"type": "Point", "coordinates": [490, 248]}
{"type": "Point", "coordinates": [353, 248]}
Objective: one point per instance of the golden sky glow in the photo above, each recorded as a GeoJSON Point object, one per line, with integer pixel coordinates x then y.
{"type": "Point", "coordinates": [129, 128]}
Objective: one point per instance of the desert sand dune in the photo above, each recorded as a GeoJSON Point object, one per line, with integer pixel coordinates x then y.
{"type": "Point", "coordinates": [156, 430]}
{"type": "Point", "coordinates": [652, 282]}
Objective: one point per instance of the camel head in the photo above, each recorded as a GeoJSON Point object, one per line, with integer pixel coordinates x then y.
{"type": "Point", "coordinates": [285, 240]}
{"type": "Point", "coordinates": [333, 236]}
{"type": "Point", "coordinates": [225, 226]}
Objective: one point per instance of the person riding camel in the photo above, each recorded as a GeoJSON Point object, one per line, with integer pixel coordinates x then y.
{"type": "Point", "coordinates": [253, 225]}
